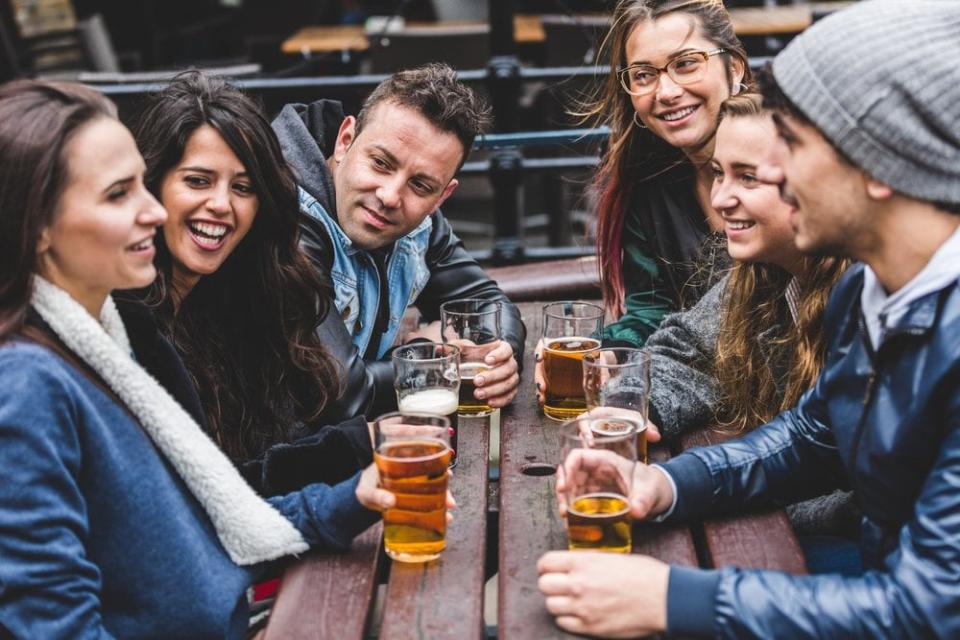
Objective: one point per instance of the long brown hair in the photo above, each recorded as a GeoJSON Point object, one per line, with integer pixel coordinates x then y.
{"type": "Point", "coordinates": [37, 120]}
{"type": "Point", "coordinates": [247, 333]}
{"type": "Point", "coordinates": [632, 151]}
{"type": "Point", "coordinates": [760, 378]}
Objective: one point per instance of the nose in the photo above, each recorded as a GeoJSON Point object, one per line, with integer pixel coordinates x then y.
{"type": "Point", "coordinates": [723, 197]}
{"type": "Point", "coordinates": [218, 201]}
{"type": "Point", "coordinates": [388, 193]}
{"type": "Point", "coordinates": [770, 169]}
{"type": "Point", "coordinates": [152, 214]}
{"type": "Point", "coordinates": [667, 88]}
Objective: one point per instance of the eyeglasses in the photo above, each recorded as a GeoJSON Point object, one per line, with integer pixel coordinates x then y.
{"type": "Point", "coordinates": [641, 79]}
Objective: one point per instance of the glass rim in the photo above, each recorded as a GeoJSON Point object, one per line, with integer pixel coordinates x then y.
{"type": "Point", "coordinates": [396, 356]}
{"type": "Point", "coordinates": [583, 303]}
{"type": "Point", "coordinates": [498, 304]}
{"type": "Point", "coordinates": [590, 358]}
{"type": "Point", "coordinates": [569, 432]}
{"type": "Point", "coordinates": [624, 83]}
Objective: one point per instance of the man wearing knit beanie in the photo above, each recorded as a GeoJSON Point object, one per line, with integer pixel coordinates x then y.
{"type": "Point", "coordinates": [866, 106]}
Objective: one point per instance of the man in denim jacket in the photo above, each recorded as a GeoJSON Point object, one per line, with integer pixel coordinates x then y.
{"type": "Point", "coordinates": [371, 187]}
{"type": "Point", "coordinates": [865, 103]}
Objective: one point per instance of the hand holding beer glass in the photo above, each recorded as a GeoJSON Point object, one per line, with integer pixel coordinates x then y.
{"type": "Point", "coordinates": [618, 381]}
{"type": "Point", "coordinates": [594, 480]}
{"type": "Point", "coordinates": [412, 453]}
{"type": "Point", "coordinates": [427, 381]}
{"type": "Point", "coordinates": [474, 326]}
{"type": "Point", "coordinates": [571, 330]}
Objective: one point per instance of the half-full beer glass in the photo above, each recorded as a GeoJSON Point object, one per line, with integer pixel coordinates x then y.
{"type": "Point", "coordinates": [412, 455]}
{"type": "Point", "coordinates": [598, 459]}
{"type": "Point", "coordinates": [619, 380]}
{"type": "Point", "coordinates": [474, 326]}
{"type": "Point", "coordinates": [571, 330]}
{"type": "Point", "coordinates": [427, 381]}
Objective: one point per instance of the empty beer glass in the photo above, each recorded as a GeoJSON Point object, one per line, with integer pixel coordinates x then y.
{"type": "Point", "coordinates": [412, 453]}
{"type": "Point", "coordinates": [619, 380]}
{"type": "Point", "coordinates": [472, 325]}
{"type": "Point", "coordinates": [427, 381]}
{"type": "Point", "coordinates": [598, 459]}
{"type": "Point", "coordinates": [571, 330]}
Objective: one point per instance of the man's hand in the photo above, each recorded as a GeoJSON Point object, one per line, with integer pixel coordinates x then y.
{"type": "Point", "coordinates": [373, 497]}
{"type": "Point", "coordinates": [497, 386]}
{"type": "Point", "coordinates": [650, 491]}
{"type": "Point", "coordinates": [605, 594]}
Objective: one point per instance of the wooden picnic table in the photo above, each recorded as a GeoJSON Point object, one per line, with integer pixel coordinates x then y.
{"type": "Point", "coordinates": [528, 28]}
{"type": "Point", "coordinates": [333, 596]}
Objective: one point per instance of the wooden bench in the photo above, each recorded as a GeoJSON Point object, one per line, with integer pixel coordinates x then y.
{"type": "Point", "coordinates": [551, 280]}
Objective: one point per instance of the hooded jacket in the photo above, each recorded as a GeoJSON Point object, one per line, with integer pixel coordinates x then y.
{"type": "Point", "coordinates": [307, 136]}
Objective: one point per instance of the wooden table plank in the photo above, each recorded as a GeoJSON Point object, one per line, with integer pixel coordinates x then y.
{"type": "Point", "coordinates": [761, 540]}
{"type": "Point", "coordinates": [444, 598]}
{"type": "Point", "coordinates": [327, 596]}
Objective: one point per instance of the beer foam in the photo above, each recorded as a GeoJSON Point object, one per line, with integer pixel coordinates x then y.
{"type": "Point", "coordinates": [470, 370]}
{"type": "Point", "coordinates": [441, 402]}
{"type": "Point", "coordinates": [573, 344]}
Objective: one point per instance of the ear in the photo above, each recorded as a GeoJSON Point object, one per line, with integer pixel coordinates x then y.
{"type": "Point", "coordinates": [43, 244]}
{"type": "Point", "coordinates": [449, 189]}
{"type": "Point", "coordinates": [736, 66]}
{"type": "Point", "coordinates": [877, 190]}
{"type": "Point", "coordinates": [344, 137]}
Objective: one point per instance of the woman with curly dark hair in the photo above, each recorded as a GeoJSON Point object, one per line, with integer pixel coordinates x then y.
{"type": "Point", "coordinates": [235, 293]}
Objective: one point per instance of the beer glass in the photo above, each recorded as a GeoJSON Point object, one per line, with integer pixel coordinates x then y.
{"type": "Point", "coordinates": [598, 460]}
{"type": "Point", "coordinates": [619, 380]}
{"type": "Point", "coordinates": [571, 330]}
{"type": "Point", "coordinates": [427, 381]}
{"type": "Point", "coordinates": [473, 325]}
{"type": "Point", "coordinates": [412, 453]}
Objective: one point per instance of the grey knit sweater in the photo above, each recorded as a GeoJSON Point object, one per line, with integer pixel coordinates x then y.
{"type": "Point", "coordinates": [684, 394]}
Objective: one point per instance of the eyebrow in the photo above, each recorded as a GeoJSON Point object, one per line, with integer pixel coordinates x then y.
{"type": "Point", "coordinates": [673, 55]}
{"type": "Point", "coordinates": [195, 169]}
{"type": "Point", "coordinates": [117, 183]}
{"type": "Point", "coordinates": [394, 161]}
{"type": "Point", "coordinates": [780, 122]}
{"type": "Point", "coordinates": [744, 165]}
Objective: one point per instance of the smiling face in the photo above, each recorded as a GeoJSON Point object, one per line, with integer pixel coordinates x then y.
{"type": "Point", "coordinates": [212, 205]}
{"type": "Point", "coordinates": [392, 175]}
{"type": "Point", "coordinates": [102, 233]}
{"type": "Point", "coordinates": [829, 194]}
{"type": "Point", "coordinates": [684, 115]}
{"type": "Point", "coordinates": [756, 221]}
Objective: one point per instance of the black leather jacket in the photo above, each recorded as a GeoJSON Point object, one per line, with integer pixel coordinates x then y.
{"type": "Point", "coordinates": [886, 423]}
{"type": "Point", "coordinates": [307, 134]}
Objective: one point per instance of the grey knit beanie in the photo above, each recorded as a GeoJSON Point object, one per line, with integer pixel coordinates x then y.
{"type": "Point", "coordinates": [881, 80]}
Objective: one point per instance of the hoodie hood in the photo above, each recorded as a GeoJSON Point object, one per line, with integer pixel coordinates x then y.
{"type": "Point", "coordinates": [308, 134]}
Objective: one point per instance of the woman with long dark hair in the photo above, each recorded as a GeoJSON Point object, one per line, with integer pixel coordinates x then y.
{"type": "Point", "coordinates": [235, 293]}
{"type": "Point", "coordinates": [119, 516]}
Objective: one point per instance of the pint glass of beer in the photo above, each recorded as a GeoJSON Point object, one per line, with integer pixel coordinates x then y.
{"type": "Point", "coordinates": [571, 330]}
{"type": "Point", "coordinates": [412, 455]}
{"type": "Point", "coordinates": [473, 325]}
{"type": "Point", "coordinates": [598, 456]}
{"type": "Point", "coordinates": [427, 381]}
{"type": "Point", "coordinates": [619, 380]}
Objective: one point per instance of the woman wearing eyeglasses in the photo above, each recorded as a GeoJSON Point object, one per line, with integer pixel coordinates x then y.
{"type": "Point", "coordinates": [673, 62]}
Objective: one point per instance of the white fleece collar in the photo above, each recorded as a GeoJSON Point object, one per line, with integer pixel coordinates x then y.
{"type": "Point", "coordinates": [249, 528]}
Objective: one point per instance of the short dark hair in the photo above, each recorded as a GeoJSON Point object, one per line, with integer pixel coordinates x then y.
{"type": "Point", "coordinates": [433, 91]}
{"type": "Point", "coordinates": [37, 121]}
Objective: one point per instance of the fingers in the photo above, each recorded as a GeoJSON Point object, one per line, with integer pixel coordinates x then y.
{"type": "Point", "coordinates": [653, 432]}
{"type": "Point", "coordinates": [572, 624]}
{"type": "Point", "coordinates": [451, 503]}
{"type": "Point", "coordinates": [502, 353]}
{"type": "Point", "coordinates": [501, 393]}
{"type": "Point", "coordinates": [556, 562]}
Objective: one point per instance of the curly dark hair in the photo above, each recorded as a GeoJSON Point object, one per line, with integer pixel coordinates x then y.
{"type": "Point", "coordinates": [247, 333]}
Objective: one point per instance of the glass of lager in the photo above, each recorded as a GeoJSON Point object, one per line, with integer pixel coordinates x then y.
{"type": "Point", "coordinates": [473, 325]}
{"type": "Point", "coordinates": [412, 454]}
{"type": "Point", "coordinates": [619, 380]}
{"type": "Point", "coordinates": [599, 456]}
{"type": "Point", "coordinates": [427, 381]}
{"type": "Point", "coordinates": [571, 330]}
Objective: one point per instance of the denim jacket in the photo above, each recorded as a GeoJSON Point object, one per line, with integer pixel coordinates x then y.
{"type": "Point", "coordinates": [355, 277]}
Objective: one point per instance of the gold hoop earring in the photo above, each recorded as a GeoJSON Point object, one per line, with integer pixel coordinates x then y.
{"type": "Point", "coordinates": [739, 88]}
{"type": "Point", "coordinates": [637, 122]}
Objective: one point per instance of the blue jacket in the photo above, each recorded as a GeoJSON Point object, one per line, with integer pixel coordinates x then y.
{"type": "Point", "coordinates": [98, 536]}
{"type": "Point", "coordinates": [886, 423]}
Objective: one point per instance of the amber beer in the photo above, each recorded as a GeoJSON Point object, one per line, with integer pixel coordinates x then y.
{"type": "Point", "coordinates": [415, 471]}
{"type": "Point", "coordinates": [599, 522]}
{"type": "Point", "coordinates": [469, 405]}
{"type": "Point", "coordinates": [563, 376]}
{"type": "Point", "coordinates": [614, 427]}
{"type": "Point", "coordinates": [439, 401]}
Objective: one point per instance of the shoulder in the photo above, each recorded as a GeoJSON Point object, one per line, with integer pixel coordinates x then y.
{"type": "Point", "coordinates": [34, 382]}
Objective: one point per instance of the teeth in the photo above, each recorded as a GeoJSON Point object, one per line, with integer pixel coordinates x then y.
{"type": "Point", "coordinates": [145, 244]}
{"type": "Point", "coordinates": [209, 229]}
{"type": "Point", "coordinates": [676, 115]}
{"type": "Point", "coordinates": [739, 225]}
